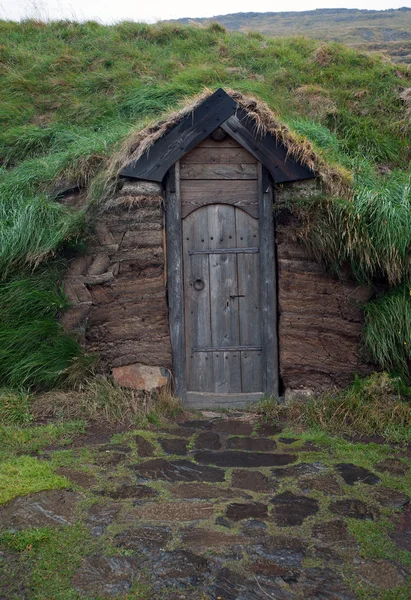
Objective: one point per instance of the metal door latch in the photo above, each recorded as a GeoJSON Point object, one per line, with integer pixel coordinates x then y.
{"type": "Point", "coordinates": [237, 296]}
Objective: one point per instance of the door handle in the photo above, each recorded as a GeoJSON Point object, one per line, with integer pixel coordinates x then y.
{"type": "Point", "coordinates": [237, 296]}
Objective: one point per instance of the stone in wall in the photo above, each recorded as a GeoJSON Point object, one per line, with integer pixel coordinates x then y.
{"type": "Point", "coordinates": [320, 316]}
{"type": "Point", "coordinates": [118, 289]}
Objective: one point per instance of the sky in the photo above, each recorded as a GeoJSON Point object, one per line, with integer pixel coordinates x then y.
{"type": "Point", "coordinates": [109, 11]}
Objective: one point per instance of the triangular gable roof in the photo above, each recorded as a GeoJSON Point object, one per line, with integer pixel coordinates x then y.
{"type": "Point", "coordinates": [217, 110]}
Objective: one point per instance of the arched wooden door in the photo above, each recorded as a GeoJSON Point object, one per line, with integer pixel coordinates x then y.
{"type": "Point", "coordinates": [221, 261]}
{"type": "Point", "coordinates": [221, 276]}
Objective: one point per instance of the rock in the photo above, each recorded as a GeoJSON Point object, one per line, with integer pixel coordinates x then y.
{"type": "Point", "coordinates": [250, 510]}
{"type": "Point", "coordinates": [353, 508]}
{"type": "Point", "coordinates": [266, 429]}
{"type": "Point", "coordinates": [100, 516]}
{"type": "Point", "coordinates": [381, 574]}
{"type": "Point", "coordinates": [179, 431]}
{"type": "Point", "coordinates": [129, 490]}
{"type": "Point", "coordinates": [255, 528]}
{"type": "Point", "coordinates": [144, 538]}
{"type": "Point", "coordinates": [355, 474]}
{"type": "Point", "coordinates": [204, 491]}
{"type": "Point", "coordinates": [251, 444]}
{"type": "Point", "coordinates": [251, 480]}
{"type": "Point", "coordinates": [141, 377]}
{"type": "Point", "coordinates": [291, 510]}
{"type": "Point", "coordinates": [236, 458]}
{"type": "Point", "coordinates": [325, 584]}
{"type": "Point", "coordinates": [206, 538]}
{"type": "Point", "coordinates": [106, 576]}
{"type": "Point", "coordinates": [322, 483]}
{"type": "Point", "coordinates": [287, 440]}
{"type": "Point", "coordinates": [115, 448]}
{"type": "Point", "coordinates": [231, 585]}
{"type": "Point", "coordinates": [177, 470]}
{"type": "Point", "coordinates": [84, 480]}
{"type": "Point", "coordinates": [207, 440]}
{"type": "Point", "coordinates": [286, 551]}
{"type": "Point", "coordinates": [14, 577]}
{"type": "Point", "coordinates": [51, 508]}
{"type": "Point", "coordinates": [390, 498]}
{"type": "Point", "coordinates": [171, 511]}
{"type": "Point", "coordinates": [402, 532]}
{"type": "Point", "coordinates": [174, 446]}
{"type": "Point", "coordinates": [327, 554]}
{"type": "Point", "coordinates": [110, 459]}
{"type": "Point", "coordinates": [232, 427]}
{"type": "Point", "coordinates": [144, 447]}
{"type": "Point", "coordinates": [197, 424]}
{"type": "Point", "coordinates": [334, 532]}
{"type": "Point", "coordinates": [299, 470]}
{"type": "Point", "coordinates": [178, 569]}
{"type": "Point", "coordinates": [394, 466]}
{"type": "Point", "coordinates": [222, 522]}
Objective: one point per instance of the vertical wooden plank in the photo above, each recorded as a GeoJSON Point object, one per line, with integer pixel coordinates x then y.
{"type": "Point", "coordinates": [224, 308]}
{"type": "Point", "coordinates": [247, 235]}
{"type": "Point", "coordinates": [268, 284]}
{"type": "Point", "coordinates": [175, 280]}
{"type": "Point", "coordinates": [200, 375]}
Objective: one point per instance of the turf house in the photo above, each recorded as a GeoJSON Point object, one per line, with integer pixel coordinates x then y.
{"type": "Point", "coordinates": [236, 241]}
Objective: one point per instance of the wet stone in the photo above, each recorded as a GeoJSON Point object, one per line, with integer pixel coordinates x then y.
{"type": "Point", "coordinates": [204, 491]}
{"type": "Point", "coordinates": [100, 516]}
{"type": "Point", "coordinates": [231, 585]}
{"type": "Point", "coordinates": [207, 440]}
{"type": "Point", "coordinates": [172, 511]}
{"type": "Point", "coordinates": [237, 458]}
{"type": "Point", "coordinates": [381, 574]}
{"type": "Point", "coordinates": [353, 508]}
{"type": "Point", "coordinates": [267, 430]}
{"type": "Point", "coordinates": [197, 424]}
{"type": "Point", "coordinates": [174, 446]}
{"type": "Point", "coordinates": [255, 528]}
{"type": "Point", "coordinates": [144, 447]}
{"type": "Point", "coordinates": [85, 480]}
{"type": "Point", "coordinates": [286, 551]}
{"type": "Point", "coordinates": [44, 509]}
{"type": "Point", "coordinates": [251, 480]}
{"type": "Point", "coordinates": [251, 510]}
{"type": "Point", "coordinates": [206, 538]}
{"type": "Point", "coordinates": [179, 569]}
{"type": "Point", "coordinates": [299, 470]}
{"type": "Point", "coordinates": [390, 498]}
{"type": "Point", "coordinates": [291, 510]}
{"type": "Point", "coordinates": [129, 490]}
{"type": "Point", "coordinates": [251, 444]}
{"type": "Point", "coordinates": [354, 474]}
{"type": "Point", "coordinates": [185, 432]}
{"type": "Point", "coordinates": [177, 470]}
{"type": "Point", "coordinates": [223, 522]}
{"type": "Point", "coordinates": [144, 538]}
{"type": "Point", "coordinates": [402, 532]}
{"type": "Point", "coordinates": [326, 483]}
{"type": "Point", "coordinates": [393, 466]}
{"type": "Point", "coordinates": [324, 584]}
{"type": "Point", "coordinates": [232, 427]}
{"type": "Point", "coordinates": [287, 440]}
{"type": "Point", "coordinates": [334, 532]}
{"type": "Point", "coordinates": [106, 576]}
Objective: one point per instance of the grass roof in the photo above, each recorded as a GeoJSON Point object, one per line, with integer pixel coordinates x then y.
{"type": "Point", "coordinates": [75, 99]}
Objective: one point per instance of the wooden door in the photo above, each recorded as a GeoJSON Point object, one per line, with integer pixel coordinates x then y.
{"type": "Point", "coordinates": [222, 301]}
{"type": "Point", "coordinates": [222, 298]}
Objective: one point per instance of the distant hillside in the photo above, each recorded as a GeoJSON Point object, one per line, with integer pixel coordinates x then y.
{"type": "Point", "coordinates": [387, 31]}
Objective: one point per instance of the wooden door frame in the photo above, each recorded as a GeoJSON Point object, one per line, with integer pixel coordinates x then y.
{"type": "Point", "coordinates": [175, 278]}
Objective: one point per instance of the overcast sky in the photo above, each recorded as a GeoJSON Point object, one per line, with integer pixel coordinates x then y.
{"type": "Point", "coordinates": [109, 11]}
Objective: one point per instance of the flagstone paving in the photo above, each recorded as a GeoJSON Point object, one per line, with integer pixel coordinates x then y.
{"type": "Point", "coordinates": [218, 509]}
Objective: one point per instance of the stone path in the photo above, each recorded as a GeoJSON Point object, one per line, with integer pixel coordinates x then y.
{"type": "Point", "coordinates": [221, 509]}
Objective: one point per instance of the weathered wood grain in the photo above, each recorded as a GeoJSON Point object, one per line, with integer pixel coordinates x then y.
{"type": "Point", "coordinates": [218, 171]}
{"type": "Point", "coordinates": [231, 156]}
{"type": "Point", "coordinates": [195, 193]}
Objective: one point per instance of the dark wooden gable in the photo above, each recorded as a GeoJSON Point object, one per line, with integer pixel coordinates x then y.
{"type": "Point", "coordinates": [218, 110]}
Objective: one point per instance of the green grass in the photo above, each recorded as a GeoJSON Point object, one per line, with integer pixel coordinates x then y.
{"type": "Point", "coordinates": [24, 475]}
{"type": "Point", "coordinates": [71, 93]}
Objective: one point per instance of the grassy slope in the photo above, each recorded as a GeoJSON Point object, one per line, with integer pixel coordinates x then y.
{"type": "Point", "coordinates": [71, 92]}
{"type": "Point", "coordinates": [387, 31]}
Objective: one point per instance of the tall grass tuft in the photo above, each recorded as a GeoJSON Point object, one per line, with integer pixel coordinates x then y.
{"type": "Point", "coordinates": [35, 351]}
{"type": "Point", "coordinates": [387, 331]}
